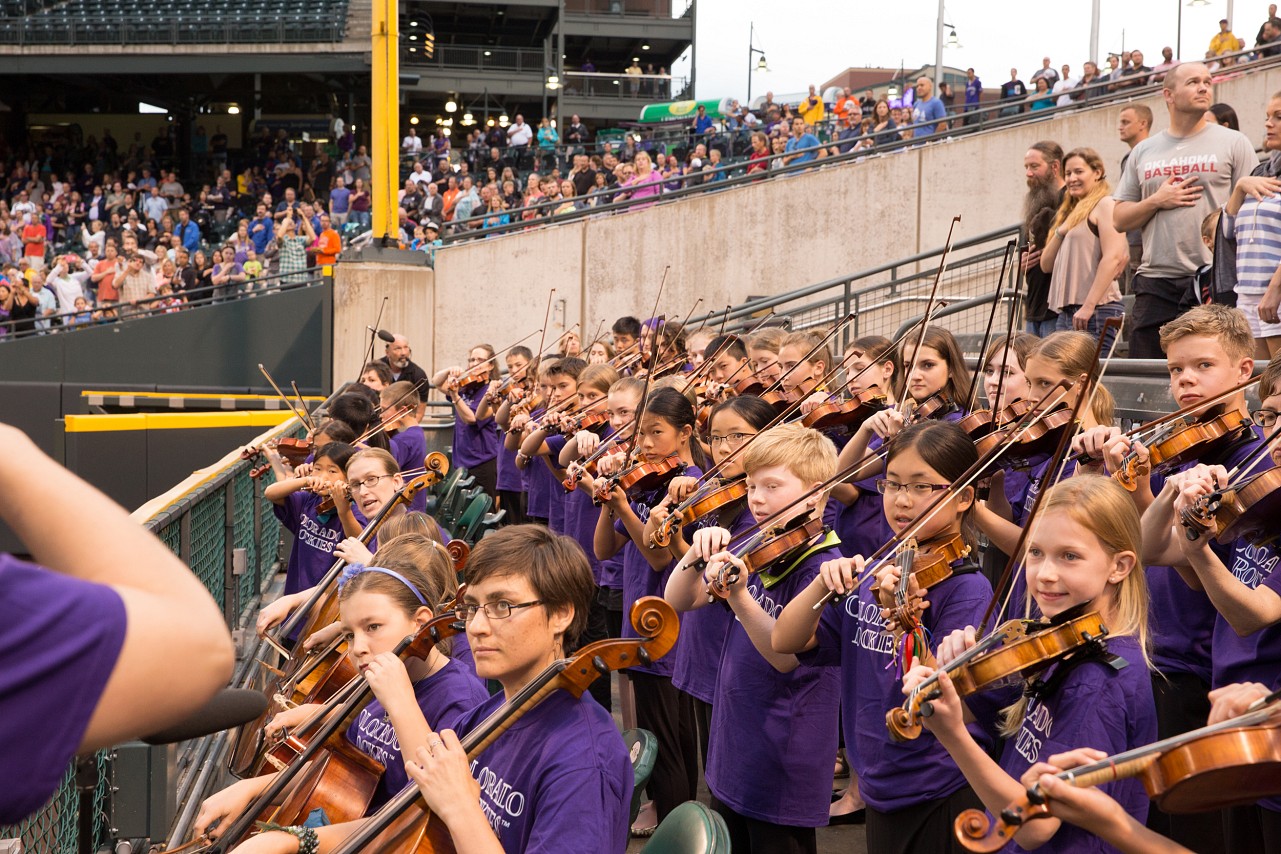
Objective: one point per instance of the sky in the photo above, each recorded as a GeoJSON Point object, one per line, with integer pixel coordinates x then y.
{"type": "Point", "coordinates": [810, 41]}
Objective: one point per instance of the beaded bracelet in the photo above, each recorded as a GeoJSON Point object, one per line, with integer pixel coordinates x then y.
{"type": "Point", "coordinates": [307, 841]}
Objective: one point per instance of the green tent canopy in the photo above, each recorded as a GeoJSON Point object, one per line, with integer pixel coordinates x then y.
{"type": "Point", "coordinates": [683, 110]}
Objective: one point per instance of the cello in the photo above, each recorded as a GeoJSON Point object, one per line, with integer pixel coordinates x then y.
{"type": "Point", "coordinates": [405, 824]}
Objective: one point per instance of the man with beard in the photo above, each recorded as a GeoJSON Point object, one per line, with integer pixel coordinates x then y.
{"type": "Point", "coordinates": [1171, 182]}
{"type": "Point", "coordinates": [1043, 166]}
{"type": "Point", "coordinates": [402, 368]}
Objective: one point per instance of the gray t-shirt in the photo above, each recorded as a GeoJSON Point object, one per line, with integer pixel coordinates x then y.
{"type": "Point", "coordinates": [1217, 157]}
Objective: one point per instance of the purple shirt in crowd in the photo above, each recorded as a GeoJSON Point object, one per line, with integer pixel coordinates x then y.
{"type": "Point", "coordinates": [698, 659]}
{"type": "Point", "coordinates": [555, 491]}
{"type": "Point", "coordinates": [510, 478]}
{"type": "Point", "coordinates": [61, 638]}
{"type": "Point", "coordinates": [1182, 619]}
{"type": "Point", "coordinates": [851, 633]}
{"type": "Point", "coordinates": [475, 444]}
{"type": "Point", "coordinates": [443, 697]}
{"type": "Point", "coordinates": [409, 447]}
{"type": "Point", "coordinates": [773, 734]}
{"type": "Point", "coordinates": [640, 579]}
{"type": "Point", "coordinates": [1096, 706]}
{"type": "Point", "coordinates": [314, 539]}
{"type": "Point", "coordinates": [580, 523]}
{"type": "Point", "coordinates": [558, 780]}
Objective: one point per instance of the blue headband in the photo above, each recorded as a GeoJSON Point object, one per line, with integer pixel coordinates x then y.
{"type": "Point", "coordinates": [357, 568]}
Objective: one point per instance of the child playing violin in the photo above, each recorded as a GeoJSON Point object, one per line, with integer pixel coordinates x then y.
{"type": "Point", "coordinates": [1208, 353]}
{"type": "Point", "coordinates": [539, 486]}
{"type": "Point", "coordinates": [541, 444]}
{"type": "Point", "coordinates": [1246, 639]}
{"type": "Point", "coordinates": [1083, 556]}
{"type": "Point", "coordinates": [475, 438]}
{"type": "Point", "coordinates": [666, 429]}
{"type": "Point", "coordinates": [511, 481]}
{"type": "Point", "coordinates": [379, 606]}
{"type": "Point", "coordinates": [399, 405]}
{"type": "Point", "coordinates": [913, 790]}
{"type": "Point", "coordinates": [296, 503]}
{"type": "Point", "coordinates": [762, 353]}
{"type": "Point", "coordinates": [559, 779]}
{"type": "Point", "coordinates": [698, 660]}
{"type": "Point", "coordinates": [772, 718]}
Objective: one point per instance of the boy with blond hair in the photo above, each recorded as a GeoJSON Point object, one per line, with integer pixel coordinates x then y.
{"type": "Point", "coordinates": [773, 718]}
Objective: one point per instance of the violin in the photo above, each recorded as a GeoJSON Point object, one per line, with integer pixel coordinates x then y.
{"type": "Point", "coordinates": [526, 405]}
{"type": "Point", "coordinates": [294, 451]}
{"type": "Point", "coordinates": [405, 824]}
{"type": "Point", "coordinates": [1247, 510]}
{"type": "Point", "coordinates": [767, 547]}
{"type": "Point", "coordinates": [930, 564]}
{"type": "Point", "coordinates": [1015, 648]}
{"type": "Point", "coordinates": [339, 778]}
{"type": "Point", "coordinates": [707, 499]}
{"type": "Point", "coordinates": [1183, 440]}
{"type": "Point", "coordinates": [586, 421]}
{"type": "Point", "coordinates": [849, 414]}
{"type": "Point", "coordinates": [641, 476]}
{"type": "Point", "coordinates": [935, 406]}
{"type": "Point", "coordinates": [467, 381]}
{"type": "Point", "coordinates": [981, 422]}
{"type": "Point", "coordinates": [1231, 763]}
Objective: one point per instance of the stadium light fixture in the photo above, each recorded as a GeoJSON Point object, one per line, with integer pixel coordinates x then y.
{"type": "Point", "coordinates": [413, 38]}
{"type": "Point", "coordinates": [489, 123]}
{"type": "Point", "coordinates": [644, 47]}
{"type": "Point", "coordinates": [144, 107]}
{"type": "Point", "coordinates": [233, 109]}
{"type": "Point", "coordinates": [952, 40]}
{"type": "Point", "coordinates": [413, 23]}
{"type": "Point", "coordinates": [451, 106]}
{"type": "Point", "coordinates": [413, 120]}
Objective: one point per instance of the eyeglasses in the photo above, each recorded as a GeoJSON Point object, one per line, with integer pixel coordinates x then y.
{"type": "Point", "coordinates": [369, 482]}
{"type": "Point", "coordinates": [1265, 417]}
{"type": "Point", "coordinates": [734, 439]}
{"type": "Point", "coordinates": [500, 610]}
{"type": "Point", "coordinates": [885, 486]}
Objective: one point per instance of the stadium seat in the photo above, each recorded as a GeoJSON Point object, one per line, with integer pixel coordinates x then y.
{"type": "Point", "coordinates": [691, 828]}
{"type": "Point", "coordinates": [642, 747]}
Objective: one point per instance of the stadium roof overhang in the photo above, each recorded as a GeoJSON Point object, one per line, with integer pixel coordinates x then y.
{"type": "Point", "coordinates": [183, 63]}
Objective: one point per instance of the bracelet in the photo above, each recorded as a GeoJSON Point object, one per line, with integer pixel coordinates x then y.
{"type": "Point", "coordinates": [307, 841]}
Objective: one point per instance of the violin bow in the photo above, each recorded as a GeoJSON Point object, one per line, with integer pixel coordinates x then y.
{"type": "Point", "coordinates": [929, 304]}
{"type": "Point", "coordinates": [1009, 339]}
{"type": "Point", "coordinates": [301, 418]}
{"type": "Point", "coordinates": [302, 406]}
{"type": "Point", "coordinates": [1057, 464]}
{"type": "Point", "coordinates": [369, 352]}
{"type": "Point", "coordinates": [987, 334]}
{"type": "Point", "coordinates": [649, 375]}
{"type": "Point", "coordinates": [547, 316]}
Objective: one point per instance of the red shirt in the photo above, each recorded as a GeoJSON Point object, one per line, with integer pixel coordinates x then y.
{"type": "Point", "coordinates": [35, 233]}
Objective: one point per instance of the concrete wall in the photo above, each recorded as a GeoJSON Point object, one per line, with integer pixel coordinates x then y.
{"type": "Point", "coordinates": [359, 289]}
{"type": "Point", "coordinates": [766, 238]}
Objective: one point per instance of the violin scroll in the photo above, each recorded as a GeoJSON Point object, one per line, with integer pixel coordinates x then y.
{"type": "Point", "coordinates": [458, 551]}
{"type": "Point", "coordinates": [976, 832]}
{"type": "Point", "coordinates": [656, 620]}
{"type": "Point", "coordinates": [902, 725]}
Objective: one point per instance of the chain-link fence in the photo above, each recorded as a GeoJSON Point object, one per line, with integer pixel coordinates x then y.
{"type": "Point", "coordinates": [197, 526]}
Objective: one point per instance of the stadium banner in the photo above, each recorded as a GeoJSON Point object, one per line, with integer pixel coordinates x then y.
{"type": "Point", "coordinates": [679, 110]}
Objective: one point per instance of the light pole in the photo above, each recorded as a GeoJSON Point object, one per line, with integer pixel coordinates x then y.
{"type": "Point", "coordinates": [1178, 38]}
{"type": "Point", "coordinates": [760, 66]}
{"type": "Point", "coordinates": [952, 41]}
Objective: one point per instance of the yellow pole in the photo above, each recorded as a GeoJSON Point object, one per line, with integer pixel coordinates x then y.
{"type": "Point", "coordinates": [385, 116]}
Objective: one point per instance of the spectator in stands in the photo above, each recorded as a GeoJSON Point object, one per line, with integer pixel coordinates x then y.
{"type": "Point", "coordinates": [973, 94]}
{"type": "Point", "coordinates": [548, 139]}
{"type": "Point", "coordinates": [339, 202]}
{"type": "Point", "coordinates": [577, 136]}
{"type": "Point", "coordinates": [582, 175]}
{"type": "Point", "coordinates": [34, 236]}
{"type": "Point", "coordinates": [812, 109]}
{"type": "Point", "coordinates": [645, 183]}
{"type": "Point", "coordinates": [1271, 44]}
{"type": "Point", "coordinates": [1065, 82]}
{"type": "Point", "coordinates": [412, 144]}
{"type": "Point", "coordinates": [24, 306]}
{"type": "Point", "coordinates": [1225, 41]}
{"type": "Point", "coordinates": [1046, 72]}
{"type": "Point", "coordinates": [1134, 124]}
{"type": "Point", "coordinates": [1223, 114]}
{"type": "Point", "coordinates": [633, 72]}
{"type": "Point", "coordinates": [172, 189]}
{"type": "Point", "coordinates": [1167, 62]}
{"type": "Point", "coordinates": [67, 279]}
{"type": "Point", "coordinates": [293, 250]}
{"type": "Point", "coordinates": [154, 206]}
{"type": "Point", "coordinates": [1136, 74]}
{"type": "Point", "coordinates": [433, 204]}
{"type": "Point", "coordinates": [418, 175]}
{"type": "Point", "coordinates": [228, 276]}
{"type": "Point", "coordinates": [105, 273]}
{"type": "Point", "coordinates": [702, 122]}
{"type": "Point", "coordinates": [360, 165]}
{"type": "Point", "coordinates": [1089, 82]}
{"type": "Point", "coordinates": [1171, 182]}
{"type": "Point", "coordinates": [1261, 38]}
{"type": "Point", "coordinates": [803, 146]}
{"type": "Point", "coordinates": [359, 204]}
{"type": "Point", "coordinates": [884, 128]}
{"type": "Point", "coordinates": [1043, 169]}
{"type": "Point", "coordinates": [136, 285]}
{"type": "Point", "coordinates": [187, 231]}
{"type": "Point", "coordinates": [1041, 97]}
{"type": "Point", "coordinates": [519, 136]}
{"type": "Point", "coordinates": [468, 200]}
{"type": "Point", "coordinates": [928, 112]}
{"type": "Point", "coordinates": [1013, 92]}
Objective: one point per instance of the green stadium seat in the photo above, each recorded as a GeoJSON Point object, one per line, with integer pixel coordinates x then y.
{"type": "Point", "coordinates": [469, 520]}
{"type": "Point", "coordinates": [642, 747]}
{"type": "Point", "coordinates": [691, 828]}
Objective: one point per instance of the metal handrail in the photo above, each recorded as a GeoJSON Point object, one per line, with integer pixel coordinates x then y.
{"type": "Point", "coordinates": [961, 124]}
{"type": "Point", "coordinates": [207, 296]}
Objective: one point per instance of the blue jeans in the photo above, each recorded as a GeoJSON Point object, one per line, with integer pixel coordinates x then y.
{"type": "Point", "coordinates": [1102, 313]}
{"type": "Point", "coordinates": [1042, 328]}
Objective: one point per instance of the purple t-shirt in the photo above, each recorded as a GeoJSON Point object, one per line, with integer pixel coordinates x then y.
{"type": "Point", "coordinates": [698, 659]}
{"type": "Point", "coordinates": [1096, 706]}
{"type": "Point", "coordinates": [892, 775]}
{"type": "Point", "coordinates": [640, 579]}
{"type": "Point", "coordinates": [773, 734]}
{"type": "Point", "coordinates": [580, 523]}
{"type": "Point", "coordinates": [314, 539]}
{"type": "Point", "coordinates": [61, 638]}
{"type": "Point", "coordinates": [510, 478]}
{"type": "Point", "coordinates": [542, 488]}
{"type": "Point", "coordinates": [443, 697]}
{"type": "Point", "coordinates": [1182, 619]}
{"type": "Point", "coordinates": [555, 493]}
{"type": "Point", "coordinates": [558, 780]}
{"type": "Point", "coordinates": [409, 447]}
{"type": "Point", "coordinates": [475, 444]}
